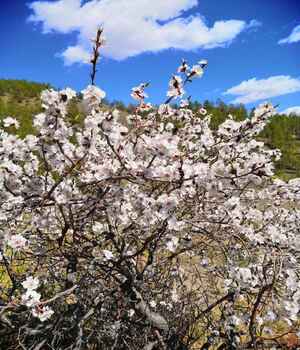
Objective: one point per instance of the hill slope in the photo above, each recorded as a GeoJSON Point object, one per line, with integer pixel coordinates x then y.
{"type": "Point", "coordinates": [21, 89]}
{"type": "Point", "coordinates": [20, 99]}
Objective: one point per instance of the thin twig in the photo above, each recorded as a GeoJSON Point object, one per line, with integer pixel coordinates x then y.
{"type": "Point", "coordinates": [98, 42]}
{"type": "Point", "coordinates": [59, 295]}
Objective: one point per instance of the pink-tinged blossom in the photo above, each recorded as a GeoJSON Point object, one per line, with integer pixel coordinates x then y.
{"type": "Point", "coordinates": [145, 107]}
{"type": "Point", "coordinates": [175, 87]}
{"type": "Point", "coordinates": [202, 111]}
{"type": "Point", "coordinates": [16, 242]}
{"type": "Point", "coordinates": [92, 97]}
{"type": "Point", "coordinates": [67, 94]}
{"type": "Point", "coordinates": [31, 298]}
{"type": "Point", "coordinates": [42, 312]}
{"type": "Point", "coordinates": [165, 109]}
{"type": "Point", "coordinates": [93, 93]}
{"type": "Point", "coordinates": [108, 255]}
{"type": "Point", "coordinates": [50, 98]}
{"type": "Point", "coordinates": [183, 68]}
{"type": "Point", "coordinates": [9, 121]}
{"type": "Point", "coordinates": [31, 283]}
{"type": "Point", "coordinates": [138, 92]}
{"type": "Point", "coordinates": [196, 71]}
{"type": "Point", "coordinates": [172, 244]}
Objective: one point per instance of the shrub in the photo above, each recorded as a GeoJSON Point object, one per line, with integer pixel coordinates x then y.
{"type": "Point", "coordinates": [159, 234]}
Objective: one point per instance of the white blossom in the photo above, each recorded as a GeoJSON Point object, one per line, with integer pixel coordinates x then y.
{"type": "Point", "coordinates": [31, 283]}
{"type": "Point", "coordinates": [175, 87]}
{"type": "Point", "coordinates": [138, 92]}
{"type": "Point", "coordinates": [31, 298]}
{"type": "Point", "coordinates": [108, 254]}
{"type": "Point", "coordinates": [203, 111]}
{"type": "Point", "coordinates": [172, 244]}
{"type": "Point", "coordinates": [92, 97]}
{"type": "Point", "coordinates": [43, 313]}
{"type": "Point", "coordinates": [16, 242]}
{"type": "Point", "coordinates": [9, 121]}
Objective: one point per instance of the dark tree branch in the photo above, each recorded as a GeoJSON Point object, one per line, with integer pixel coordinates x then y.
{"type": "Point", "coordinates": [98, 42]}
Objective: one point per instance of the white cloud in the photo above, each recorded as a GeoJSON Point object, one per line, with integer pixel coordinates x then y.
{"type": "Point", "coordinates": [75, 54]}
{"type": "Point", "coordinates": [254, 90]}
{"type": "Point", "coordinates": [292, 110]}
{"type": "Point", "coordinates": [293, 37]}
{"type": "Point", "coordinates": [133, 26]}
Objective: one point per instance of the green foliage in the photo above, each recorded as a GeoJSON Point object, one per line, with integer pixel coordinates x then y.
{"type": "Point", "coordinates": [20, 99]}
{"type": "Point", "coordinates": [21, 89]}
{"type": "Point", "coordinates": [283, 132]}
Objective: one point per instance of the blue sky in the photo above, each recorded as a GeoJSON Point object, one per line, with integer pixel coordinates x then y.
{"type": "Point", "coordinates": [253, 46]}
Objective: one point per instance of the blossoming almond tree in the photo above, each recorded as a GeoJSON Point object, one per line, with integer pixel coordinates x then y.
{"type": "Point", "coordinates": [157, 233]}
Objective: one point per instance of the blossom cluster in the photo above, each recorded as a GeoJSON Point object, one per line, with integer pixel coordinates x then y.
{"type": "Point", "coordinates": [153, 223]}
{"type": "Point", "coordinates": [31, 298]}
{"type": "Point", "coordinates": [176, 84]}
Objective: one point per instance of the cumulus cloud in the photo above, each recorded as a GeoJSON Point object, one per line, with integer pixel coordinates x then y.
{"type": "Point", "coordinates": [133, 26]}
{"type": "Point", "coordinates": [292, 111]}
{"type": "Point", "coordinates": [253, 90]}
{"type": "Point", "coordinates": [75, 54]}
{"type": "Point", "coordinates": [293, 37]}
